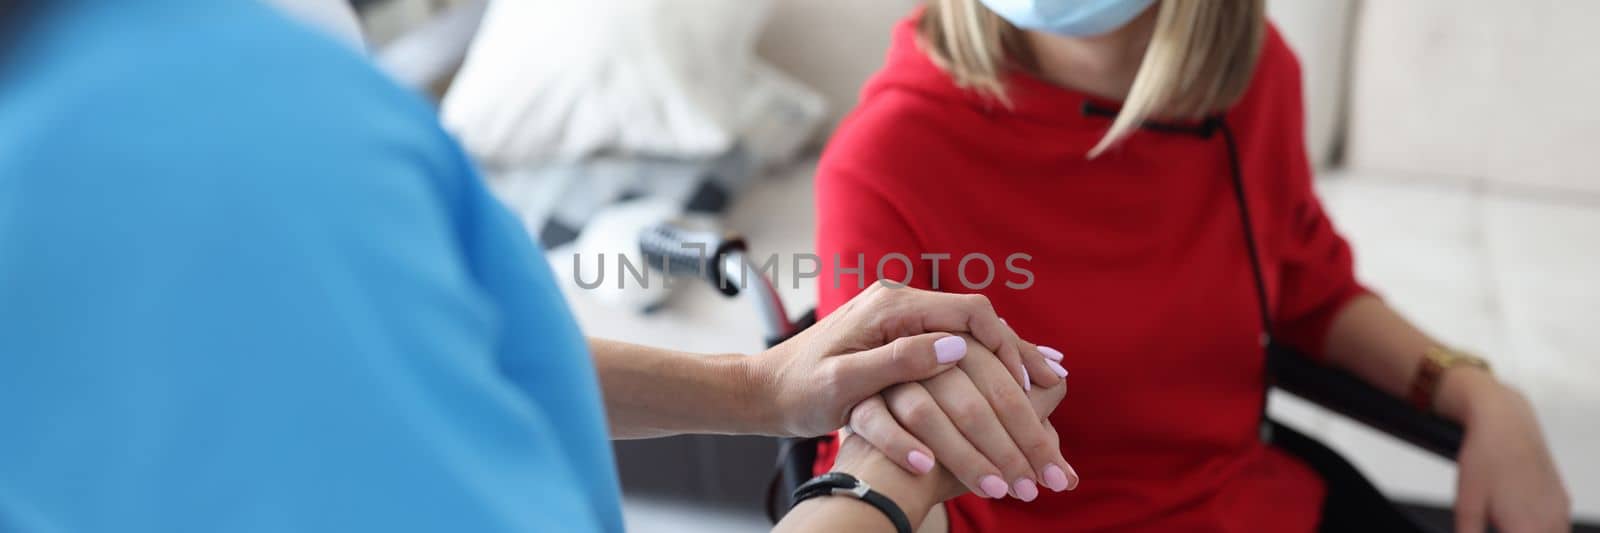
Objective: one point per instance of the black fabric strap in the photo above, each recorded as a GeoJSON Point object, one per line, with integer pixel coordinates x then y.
{"type": "Point", "coordinates": [1205, 130]}
{"type": "Point", "coordinates": [1268, 340]}
{"type": "Point", "coordinates": [1235, 173]}
{"type": "Point", "coordinates": [842, 484]}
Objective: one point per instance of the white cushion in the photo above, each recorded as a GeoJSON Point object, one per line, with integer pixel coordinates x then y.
{"type": "Point", "coordinates": [832, 45]}
{"type": "Point", "coordinates": [1496, 92]}
{"type": "Point", "coordinates": [1509, 277]}
{"type": "Point", "coordinates": [563, 80]}
{"type": "Point", "coordinates": [1319, 33]}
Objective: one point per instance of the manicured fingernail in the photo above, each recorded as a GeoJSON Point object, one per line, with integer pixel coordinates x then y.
{"type": "Point", "coordinates": [1027, 382]}
{"type": "Point", "coordinates": [1073, 476]}
{"type": "Point", "coordinates": [1056, 367]}
{"type": "Point", "coordinates": [1025, 489]}
{"type": "Point", "coordinates": [993, 486]}
{"type": "Point", "coordinates": [920, 461]}
{"type": "Point", "coordinates": [950, 349]}
{"type": "Point", "coordinates": [1055, 478]}
{"type": "Point", "coordinates": [1051, 353]}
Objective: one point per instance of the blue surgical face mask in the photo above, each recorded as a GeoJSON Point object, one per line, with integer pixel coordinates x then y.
{"type": "Point", "coordinates": [1071, 18]}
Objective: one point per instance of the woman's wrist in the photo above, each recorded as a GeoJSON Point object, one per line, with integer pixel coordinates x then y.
{"type": "Point", "coordinates": [914, 498]}
{"type": "Point", "coordinates": [1464, 390]}
{"type": "Point", "coordinates": [913, 494]}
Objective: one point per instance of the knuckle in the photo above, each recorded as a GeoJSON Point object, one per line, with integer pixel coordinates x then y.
{"type": "Point", "coordinates": [918, 413]}
{"type": "Point", "coordinates": [1004, 393]}
{"type": "Point", "coordinates": [1010, 400]}
{"type": "Point", "coordinates": [865, 415]}
{"type": "Point", "coordinates": [1031, 439]}
{"type": "Point", "coordinates": [967, 414]}
{"type": "Point", "coordinates": [1015, 465]}
{"type": "Point", "coordinates": [978, 302]}
{"type": "Point", "coordinates": [875, 294]}
{"type": "Point", "coordinates": [876, 320]}
{"type": "Point", "coordinates": [1038, 446]}
{"type": "Point", "coordinates": [900, 350]}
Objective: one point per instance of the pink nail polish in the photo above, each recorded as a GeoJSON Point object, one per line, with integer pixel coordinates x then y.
{"type": "Point", "coordinates": [1051, 353]}
{"type": "Point", "coordinates": [993, 486]}
{"type": "Point", "coordinates": [1025, 489]}
{"type": "Point", "coordinates": [920, 461]}
{"type": "Point", "coordinates": [1056, 367]}
{"type": "Point", "coordinates": [1055, 478]}
{"type": "Point", "coordinates": [950, 349]}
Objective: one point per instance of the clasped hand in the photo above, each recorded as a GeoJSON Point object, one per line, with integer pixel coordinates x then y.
{"type": "Point", "coordinates": [912, 372]}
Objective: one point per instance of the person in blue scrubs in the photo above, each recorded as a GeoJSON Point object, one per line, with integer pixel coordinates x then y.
{"type": "Point", "coordinates": [248, 284]}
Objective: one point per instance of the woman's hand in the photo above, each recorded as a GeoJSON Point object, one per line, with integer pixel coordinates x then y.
{"type": "Point", "coordinates": [1506, 474]}
{"type": "Point", "coordinates": [972, 419]}
{"type": "Point", "coordinates": [882, 337]}
{"type": "Point", "coordinates": [915, 494]}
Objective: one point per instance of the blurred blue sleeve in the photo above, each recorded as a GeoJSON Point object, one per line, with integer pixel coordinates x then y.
{"type": "Point", "coordinates": [246, 284]}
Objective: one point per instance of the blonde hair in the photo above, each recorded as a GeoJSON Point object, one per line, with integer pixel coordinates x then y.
{"type": "Point", "coordinates": [1201, 57]}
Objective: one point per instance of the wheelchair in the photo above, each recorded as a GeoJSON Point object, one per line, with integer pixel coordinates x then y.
{"type": "Point", "coordinates": [1351, 503]}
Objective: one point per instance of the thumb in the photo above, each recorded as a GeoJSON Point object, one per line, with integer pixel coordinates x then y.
{"type": "Point", "coordinates": [904, 360]}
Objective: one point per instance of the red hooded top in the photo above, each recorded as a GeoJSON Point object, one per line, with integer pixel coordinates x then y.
{"type": "Point", "coordinates": [1139, 275]}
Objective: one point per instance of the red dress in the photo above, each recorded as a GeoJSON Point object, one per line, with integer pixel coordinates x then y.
{"type": "Point", "coordinates": [1139, 275]}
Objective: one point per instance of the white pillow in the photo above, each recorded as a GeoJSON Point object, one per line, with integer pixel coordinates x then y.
{"type": "Point", "coordinates": [563, 79]}
{"type": "Point", "coordinates": [334, 17]}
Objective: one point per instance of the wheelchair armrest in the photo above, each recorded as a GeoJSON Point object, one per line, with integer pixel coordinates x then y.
{"type": "Point", "coordinates": [1343, 393]}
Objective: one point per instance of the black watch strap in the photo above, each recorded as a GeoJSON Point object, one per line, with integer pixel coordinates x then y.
{"type": "Point", "coordinates": [842, 484]}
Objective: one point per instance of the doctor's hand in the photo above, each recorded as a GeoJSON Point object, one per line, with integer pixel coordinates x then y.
{"type": "Point", "coordinates": [993, 438]}
{"type": "Point", "coordinates": [883, 337]}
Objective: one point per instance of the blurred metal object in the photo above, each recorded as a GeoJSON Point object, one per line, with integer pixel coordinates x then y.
{"type": "Point", "coordinates": [720, 259]}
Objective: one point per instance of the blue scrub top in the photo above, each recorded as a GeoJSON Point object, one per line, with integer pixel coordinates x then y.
{"type": "Point", "coordinates": [249, 284]}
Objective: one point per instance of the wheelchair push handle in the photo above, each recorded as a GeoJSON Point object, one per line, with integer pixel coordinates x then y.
{"type": "Point", "coordinates": [682, 252]}
{"type": "Point", "coordinates": [718, 258]}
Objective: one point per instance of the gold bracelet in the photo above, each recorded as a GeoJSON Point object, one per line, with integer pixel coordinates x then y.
{"type": "Point", "coordinates": [1435, 361]}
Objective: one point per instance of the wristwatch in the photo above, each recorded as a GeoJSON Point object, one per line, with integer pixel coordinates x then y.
{"type": "Point", "coordinates": [1431, 370]}
{"type": "Point", "coordinates": [842, 484]}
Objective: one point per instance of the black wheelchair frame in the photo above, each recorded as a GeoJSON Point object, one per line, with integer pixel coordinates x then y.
{"type": "Point", "coordinates": [1352, 502]}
